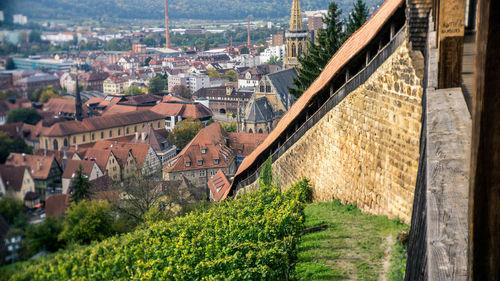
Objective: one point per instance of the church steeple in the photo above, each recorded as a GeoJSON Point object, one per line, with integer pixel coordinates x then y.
{"type": "Point", "coordinates": [78, 102]}
{"type": "Point", "coordinates": [296, 16]}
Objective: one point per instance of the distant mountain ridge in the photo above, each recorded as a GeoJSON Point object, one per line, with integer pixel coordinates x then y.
{"type": "Point", "coordinates": [178, 9]}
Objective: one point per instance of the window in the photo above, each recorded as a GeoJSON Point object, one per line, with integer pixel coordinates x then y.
{"type": "Point", "coordinates": [102, 135]}
{"type": "Point", "coordinates": [83, 138]}
{"type": "Point", "coordinates": [200, 162]}
{"type": "Point", "coordinates": [110, 133]}
{"type": "Point", "coordinates": [216, 161]}
{"type": "Point", "coordinates": [119, 131]}
{"type": "Point", "coordinates": [74, 139]}
{"type": "Point", "coordinates": [159, 124]}
{"type": "Point", "coordinates": [135, 129]}
{"type": "Point", "coordinates": [203, 151]}
{"type": "Point", "coordinates": [202, 173]}
{"type": "Point", "coordinates": [261, 88]}
{"type": "Point", "coordinates": [128, 131]}
{"type": "Point", "coordinates": [268, 89]}
{"type": "Point", "coordinates": [188, 164]}
{"type": "Point", "coordinates": [93, 136]}
{"type": "Point", "coordinates": [168, 124]}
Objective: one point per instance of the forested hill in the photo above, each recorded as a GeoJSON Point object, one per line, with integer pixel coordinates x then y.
{"type": "Point", "coordinates": [178, 9]}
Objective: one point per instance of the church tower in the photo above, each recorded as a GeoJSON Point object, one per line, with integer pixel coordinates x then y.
{"type": "Point", "coordinates": [296, 37]}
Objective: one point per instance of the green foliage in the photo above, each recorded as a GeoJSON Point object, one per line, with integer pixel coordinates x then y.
{"type": "Point", "coordinates": [398, 263]}
{"type": "Point", "coordinates": [8, 145]}
{"type": "Point", "coordinates": [42, 236]}
{"type": "Point", "coordinates": [244, 50]}
{"type": "Point", "coordinates": [231, 75]}
{"type": "Point", "coordinates": [25, 115]}
{"type": "Point", "coordinates": [44, 94]}
{"type": "Point", "coordinates": [9, 94]}
{"type": "Point", "coordinates": [328, 42]}
{"type": "Point", "coordinates": [250, 238]}
{"type": "Point", "coordinates": [266, 173]}
{"type": "Point", "coordinates": [184, 132]}
{"type": "Point", "coordinates": [274, 60]}
{"type": "Point", "coordinates": [210, 121]}
{"type": "Point", "coordinates": [119, 45]}
{"type": "Point", "coordinates": [80, 186]}
{"type": "Point", "coordinates": [230, 128]}
{"type": "Point", "coordinates": [157, 84]}
{"type": "Point", "coordinates": [213, 73]}
{"type": "Point", "coordinates": [11, 209]}
{"type": "Point", "coordinates": [134, 90]}
{"type": "Point", "coordinates": [181, 91]}
{"type": "Point", "coordinates": [357, 17]}
{"type": "Point", "coordinates": [87, 221]}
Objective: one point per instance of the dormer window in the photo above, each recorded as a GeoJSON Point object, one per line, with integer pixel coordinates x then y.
{"type": "Point", "coordinates": [203, 151]}
{"type": "Point", "coordinates": [216, 161]}
{"type": "Point", "coordinates": [200, 162]}
{"type": "Point", "coordinates": [188, 164]}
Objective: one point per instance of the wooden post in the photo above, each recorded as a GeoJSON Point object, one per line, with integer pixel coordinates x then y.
{"type": "Point", "coordinates": [485, 160]}
{"type": "Point", "coordinates": [367, 59]}
{"type": "Point", "coordinates": [392, 30]}
{"type": "Point", "coordinates": [450, 42]}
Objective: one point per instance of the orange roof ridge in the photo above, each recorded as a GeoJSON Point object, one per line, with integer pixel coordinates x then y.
{"type": "Point", "coordinates": [356, 42]}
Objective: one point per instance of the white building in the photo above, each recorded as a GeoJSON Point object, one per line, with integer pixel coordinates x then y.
{"type": "Point", "coordinates": [20, 19]}
{"type": "Point", "coordinates": [276, 51]}
{"type": "Point", "coordinates": [1, 16]}
{"type": "Point", "coordinates": [192, 81]}
{"type": "Point", "coordinates": [57, 37]}
{"type": "Point", "coordinates": [247, 60]}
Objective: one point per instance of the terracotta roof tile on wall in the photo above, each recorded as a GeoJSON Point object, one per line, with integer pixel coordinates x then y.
{"type": "Point", "coordinates": [360, 39]}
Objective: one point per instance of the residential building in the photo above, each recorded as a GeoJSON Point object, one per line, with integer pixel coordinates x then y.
{"type": "Point", "coordinates": [218, 186]}
{"type": "Point", "coordinates": [250, 78]}
{"type": "Point", "coordinates": [44, 169]}
{"type": "Point", "coordinates": [19, 19]}
{"type": "Point", "coordinates": [90, 170]}
{"type": "Point", "coordinates": [278, 39]}
{"type": "Point", "coordinates": [224, 100]}
{"type": "Point", "coordinates": [18, 182]}
{"type": "Point", "coordinates": [158, 143]}
{"type": "Point", "coordinates": [40, 80]}
{"type": "Point", "coordinates": [106, 160]}
{"type": "Point", "coordinates": [192, 81]}
{"type": "Point", "coordinates": [93, 80]}
{"type": "Point", "coordinates": [273, 51]}
{"type": "Point", "coordinates": [175, 111]}
{"type": "Point", "coordinates": [68, 82]}
{"type": "Point", "coordinates": [69, 133]}
{"type": "Point", "coordinates": [275, 86]}
{"type": "Point", "coordinates": [114, 86]}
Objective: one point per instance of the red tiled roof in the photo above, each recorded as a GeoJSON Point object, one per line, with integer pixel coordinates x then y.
{"type": "Point", "coordinates": [245, 143]}
{"type": "Point", "coordinates": [139, 150]}
{"type": "Point", "coordinates": [218, 185]}
{"type": "Point", "coordinates": [73, 165]}
{"type": "Point", "coordinates": [56, 205]}
{"type": "Point", "coordinates": [13, 129]}
{"type": "Point", "coordinates": [39, 166]}
{"type": "Point", "coordinates": [101, 122]}
{"type": "Point", "coordinates": [360, 39]}
{"type": "Point", "coordinates": [12, 177]}
{"type": "Point", "coordinates": [213, 139]}
{"type": "Point", "coordinates": [186, 110]}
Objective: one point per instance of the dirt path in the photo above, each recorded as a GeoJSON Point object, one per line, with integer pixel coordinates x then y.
{"type": "Point", "coordinates": [389, 241]}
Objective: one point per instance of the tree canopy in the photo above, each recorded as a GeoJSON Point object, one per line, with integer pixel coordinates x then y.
{"type": "Point", "coordinates": [182, 91]}
{"type": "Point", "coordinates": [357, 17]}
{"type": "Point", "coordinates": [231, 75]}
{"type": "Point", "coordinates": [25, 115]}
{"type": "Point", "coordinates": [8, 145]}
{"type": "Point", "coordinates": [80, 186]}
{"type": "Point", "coordinates": [157, 84]}
{"type": "Point", "coordinates": [184, 132]}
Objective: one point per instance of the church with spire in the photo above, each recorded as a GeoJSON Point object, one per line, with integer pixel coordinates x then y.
{"type": "Point", "coordinates": [296, 37]}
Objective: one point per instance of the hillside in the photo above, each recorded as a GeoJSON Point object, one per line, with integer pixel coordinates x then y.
{"type": "Point", "coordinates": [154, 9]}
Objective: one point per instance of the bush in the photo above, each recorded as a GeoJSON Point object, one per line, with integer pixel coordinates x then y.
{"type": "Point", "coordinates": [249, 238]}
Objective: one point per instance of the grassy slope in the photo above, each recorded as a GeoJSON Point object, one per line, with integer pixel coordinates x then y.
{"type": "Point", "coordinates": [354, 247]}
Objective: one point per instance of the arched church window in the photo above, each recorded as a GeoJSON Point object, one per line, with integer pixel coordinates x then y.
{"type": "Point", "coordinates": [294, 50]}
{"type": "Point", "coordinates": [300, 50]}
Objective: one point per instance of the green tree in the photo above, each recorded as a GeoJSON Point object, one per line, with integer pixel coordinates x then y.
{"type": "Point", "coordinates": [231, 75]}
{"type": "Point", "coordinates": [244, 50]}
{"type": "Point", "coordinates": [11, 208]}
{"type": "Point", "coordinates": [8, 145]}
{"type": "Point", "coordinates": [51, 92]}
{"type": "Point", "coordinates": [87, 221]}
{"type": "Point", "coordinates": [184, 132]}
{"type": "Point", "coordinates": [133, 90]}
{"type": "Point", "coordinates": [357, 17]}
{"type": "Point", "coordinates": [213, 73]}
{"type": "Point", "coordinates": [146, 62]}
{"type": "Point", "coordinates": [80, 186]}
{"type": "Point", "coordinates": [25, 115]}
{"type": "Point", "coordinates": [328, 42]}
{"type": "Point", "coordinates": [8, 94]}
{"type": "Point", "coordinates": [182, 91]}
{"type": "Point", "coordinates": [9, 65]}
{"type": "Point", "coordinates": [266, 173]}
{"type": "Point", "coordinates": [43, 236]}
{"type": "Point", "coordinates": [35, 36]}
{"type": "Point", "coordinates": [230, 128]}
{"type": "Point", "coordinates": [274, 60]}
{"type": "Point", "coordinates": [156, 85]}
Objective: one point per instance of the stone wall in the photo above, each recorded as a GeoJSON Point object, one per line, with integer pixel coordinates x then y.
{"type": "Point", "coordinates": [365, 151]}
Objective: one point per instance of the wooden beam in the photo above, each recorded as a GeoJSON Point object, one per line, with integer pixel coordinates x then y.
{"type": "Point", "coordinates": [485, 165]}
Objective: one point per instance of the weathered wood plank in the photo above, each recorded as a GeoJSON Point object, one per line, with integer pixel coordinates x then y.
{"type": "Point", "coordinates": [448, 160]}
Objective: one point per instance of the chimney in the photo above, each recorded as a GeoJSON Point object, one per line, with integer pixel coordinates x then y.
{"type": "Point", "coordinates": [24, 157]}
{"type": "Point", "coordinates": [248, 30]}
{"type": "Point", "coordinates": [144, 135]}
{"type": "Point", "coordinates": [167, 30]}
{"type": "Point", "coordinates": [76, 148]}
{"type": "Point", "coordinates": [39, 164]}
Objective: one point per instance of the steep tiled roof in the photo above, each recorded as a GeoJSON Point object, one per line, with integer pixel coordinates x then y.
{"type": "Point", "coordinates": [221, 92]}
{"type": "Point", "coordinates": [282, 80]}
{"type": "Point", "coordinates": [101, 122]}
{"type": "Point", "coordinates": [213, 139]}
{"type": "Point", "coordinates": [73, 165]}
{"type": "Point", "coordinates": [259, 110]}
{"type": "Point", "coordinates": [39, 166]}
{"type": "Point", "coordinates": [153, 138]}
{"type": "Point", "coordinates": [139, 150]}
{"type": "Point", "coordinates": [186, 110]}
{"type": "Point", "coordinates": [11, 104]}
{"type": "Point", "coordinates": [244, 143]}
{"type": "Point", "coordinates": [12, 177]}
{"type": "Point", "coordinates": [99, 156]}
{"type": "Point", "coordinates": [218, 185]}
{"type": "Point", "coordinates": [13, 129]}
{"type": "Point", "coordinates": [360, 39]}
